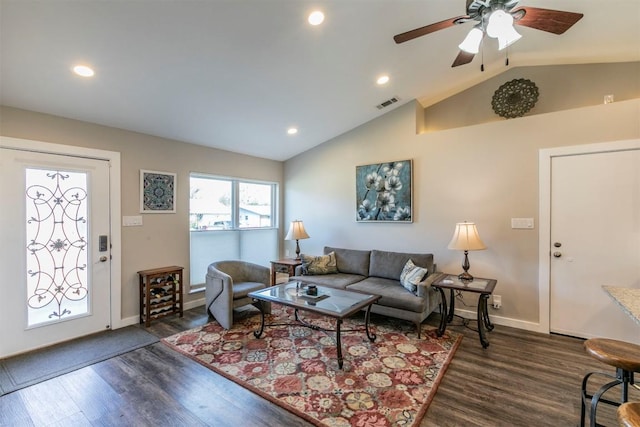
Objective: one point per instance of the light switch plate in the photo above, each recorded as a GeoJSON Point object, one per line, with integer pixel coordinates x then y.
{"type": "Point", "coordinates": [526, 223]}
{"type": "Point", "coordinates": [132, 221]}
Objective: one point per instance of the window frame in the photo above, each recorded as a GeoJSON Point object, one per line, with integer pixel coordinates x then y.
{"type": "Point", "coordinates": [235, 200]}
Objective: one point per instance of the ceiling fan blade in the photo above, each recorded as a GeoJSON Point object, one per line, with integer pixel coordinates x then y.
{"type": "Point", "coordinates": [463, 58]}
{"type": "Point", "coordinates": [552, 21]}
{"type": "Point", "coordinates": [427, 29]}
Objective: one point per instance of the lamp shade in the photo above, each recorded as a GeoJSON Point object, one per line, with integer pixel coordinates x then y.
{"type": "Point", "coordinates": [471, 43]}
{"type": "Point", "coordinates": [500, 26]}
{"type": "Point", "coordinates": [466, 238]}
{"type": "Point", "coordinates": [296, 231]}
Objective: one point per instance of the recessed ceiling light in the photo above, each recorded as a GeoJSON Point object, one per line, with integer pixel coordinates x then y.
{"type": "Point", "coordinates": [383, 80]}
{"type": "Point", "coordinates": [316, 18]}
{"type": "Point", "coordinates": [83, 70]}
{"type": "Point", "coordinates": [292, 131]}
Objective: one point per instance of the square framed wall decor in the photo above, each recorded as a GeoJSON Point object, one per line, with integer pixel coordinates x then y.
{"type": "Point", "coordinates": [384, 192]}
{"type": "Point", "coordinates": [157, 192]}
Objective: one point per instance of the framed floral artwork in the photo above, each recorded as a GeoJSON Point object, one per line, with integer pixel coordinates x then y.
{"type": "Point", "coordinates": [157, 192]}
{"type": "Point", "coordinates": [383, 192]}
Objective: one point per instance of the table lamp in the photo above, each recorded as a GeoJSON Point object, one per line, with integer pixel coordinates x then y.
{"type": "Point", "coordinates": [466, 238]}
{"type": "Point", "coordinates": [296, 232]}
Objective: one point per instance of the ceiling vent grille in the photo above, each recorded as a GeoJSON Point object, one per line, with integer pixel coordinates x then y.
{"type": "Point", "coordinates": [388, 102]}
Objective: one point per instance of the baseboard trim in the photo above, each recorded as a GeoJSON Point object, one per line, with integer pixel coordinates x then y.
{"type": "Point", "coordinates": [467, 314]}
{"type": "Point", "coordinates": [504, 321]}
{"type": "Point", "coordinates": [134, 320]}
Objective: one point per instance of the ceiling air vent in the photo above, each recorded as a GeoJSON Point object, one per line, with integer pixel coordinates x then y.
{"type": "Point", "coordinates": [388, 102]}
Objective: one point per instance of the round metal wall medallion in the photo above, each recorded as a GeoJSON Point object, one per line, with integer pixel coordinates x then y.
{"type": "Point", "coordinates": [515, 98]}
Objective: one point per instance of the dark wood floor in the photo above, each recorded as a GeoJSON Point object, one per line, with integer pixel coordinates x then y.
{"type": "Point", "coordinates": [522, 379]}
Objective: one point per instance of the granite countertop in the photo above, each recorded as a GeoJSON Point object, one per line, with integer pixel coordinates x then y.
{"type": "Point", "coordinates": [627, 298]}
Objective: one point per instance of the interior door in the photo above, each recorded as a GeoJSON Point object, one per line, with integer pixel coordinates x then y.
{"type": "Point", "coordinates": [55, 251]}
{"type": "Point", "coordinates": [595, 241]}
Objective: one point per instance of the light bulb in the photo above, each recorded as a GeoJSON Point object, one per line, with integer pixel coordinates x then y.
{"type": "Point", "coordinates": [83, 70]}
{"type": "Point", "coordinates": [382, 80]}
{"type": "Point", "coordinates": [316, 18]}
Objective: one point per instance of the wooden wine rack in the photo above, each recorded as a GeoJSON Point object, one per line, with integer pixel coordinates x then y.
{"type": "Point", "coordinates": [160, 293]}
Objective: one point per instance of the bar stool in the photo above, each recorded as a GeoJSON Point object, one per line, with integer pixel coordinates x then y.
{"type": "Point", "coordinates": [623, 356]}
{"type": "Point", "coordinates": [629, 414]}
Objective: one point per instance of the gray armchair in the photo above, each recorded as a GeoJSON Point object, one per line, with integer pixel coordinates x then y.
{"type": "Point", "coordinates": [227, 286]}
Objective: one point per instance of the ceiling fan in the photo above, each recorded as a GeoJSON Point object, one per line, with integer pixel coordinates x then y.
{"type": "Point", "coordinates": [495, 18]}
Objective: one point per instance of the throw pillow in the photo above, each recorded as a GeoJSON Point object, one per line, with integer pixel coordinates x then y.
{"type": "Point", "coordinates": [316, 265]}
{"type": "Point", "coordinates": [412, 275]}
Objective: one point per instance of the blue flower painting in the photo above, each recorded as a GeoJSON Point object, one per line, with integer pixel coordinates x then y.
{"type": "Point", "coordinates": [383, 192]}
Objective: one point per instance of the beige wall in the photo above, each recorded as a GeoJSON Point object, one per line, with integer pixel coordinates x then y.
{"type": "Point", "coordinates": [561, 87]}
{"type": "Point", "coordinates": [163, 239]}
{"type": "Point", "coordinates": [485, 173]}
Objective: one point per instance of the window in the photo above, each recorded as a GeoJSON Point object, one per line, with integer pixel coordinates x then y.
{"type": "Point", "coordinates": [226, 203]}
{"type": "Point", "coordinates": [255, 206]}
{"type": "Point", "coordinates": [230, 219]}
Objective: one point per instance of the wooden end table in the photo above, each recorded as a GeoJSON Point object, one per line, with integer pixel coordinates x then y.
{"type": "Point", "coordinates": [285, 265]}
{"type": "Point", "coordinates": [484, 287]}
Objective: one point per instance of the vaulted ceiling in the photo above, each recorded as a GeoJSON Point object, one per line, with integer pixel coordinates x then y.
{"type": "Point", "coordinates": [236, 74]}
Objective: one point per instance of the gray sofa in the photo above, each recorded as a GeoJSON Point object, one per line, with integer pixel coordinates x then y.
{"type": "Point", "coordinates": [378, 272]}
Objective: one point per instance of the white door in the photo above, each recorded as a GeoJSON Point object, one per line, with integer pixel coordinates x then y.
{"type": "Point", "coordinates": [595, 241]}
{"type": "Point", "coordinates": [55, 251]}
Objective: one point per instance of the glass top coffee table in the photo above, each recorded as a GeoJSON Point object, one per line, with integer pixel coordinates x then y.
{"type": "Point", "coordinates": [335, 303]}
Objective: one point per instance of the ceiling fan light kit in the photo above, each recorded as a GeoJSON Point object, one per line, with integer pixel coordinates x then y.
{"type": "Point", "coordinates": [500, 26]}
{"type": "Point", "coordinates": [496, 19]}
{"type": "Point", "coordinates": [471, 43]}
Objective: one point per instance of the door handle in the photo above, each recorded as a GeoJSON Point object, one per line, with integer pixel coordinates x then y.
{"type": "Point", "coordinates": [103, 259]}
{"type": "Point", "coordinates": [557, 254]}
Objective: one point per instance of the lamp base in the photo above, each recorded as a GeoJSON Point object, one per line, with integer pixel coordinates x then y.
{"type": "Point", "coordinates": [465, 277]}
{"type": "Point", "coordinates": [297, 250]}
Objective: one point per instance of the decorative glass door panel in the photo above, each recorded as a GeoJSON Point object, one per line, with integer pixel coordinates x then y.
{"type": "Point", "coordinates": [57, 256]}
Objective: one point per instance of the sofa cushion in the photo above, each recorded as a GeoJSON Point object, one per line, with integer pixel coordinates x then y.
{"type": "Point", "coordinates": [390, 264]}
{"type": "Point", "coordinates": [338, 280]}
{"type": "Point", "coordinates": [392, 293]}
{"type": "Point", "coordinates": [352, 261]}
{"type": "Point", "coordinates": [412, 275]}
{"type": "Point", "coordinates": [323, 264]}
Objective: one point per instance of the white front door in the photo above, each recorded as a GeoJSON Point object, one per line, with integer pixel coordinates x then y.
{"type": "Point", "coordinates": [595, 241]}
{"type": "Point", "coordinates": [55, 251]}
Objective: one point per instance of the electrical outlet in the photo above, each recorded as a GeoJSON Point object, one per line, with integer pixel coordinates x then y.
{"type": "Point", "coordinates": [497, 301]}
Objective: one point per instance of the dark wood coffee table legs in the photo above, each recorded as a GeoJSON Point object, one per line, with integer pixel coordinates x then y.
{"type": "Point", "coordinates": [338, 330]}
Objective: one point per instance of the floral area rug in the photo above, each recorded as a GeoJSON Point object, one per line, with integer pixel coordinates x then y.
{"type": "Point", "coordinates": [389, 382]}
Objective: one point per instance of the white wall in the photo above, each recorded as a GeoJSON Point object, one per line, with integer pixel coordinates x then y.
{"type": "Point", "coordinates": [485, 173]}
